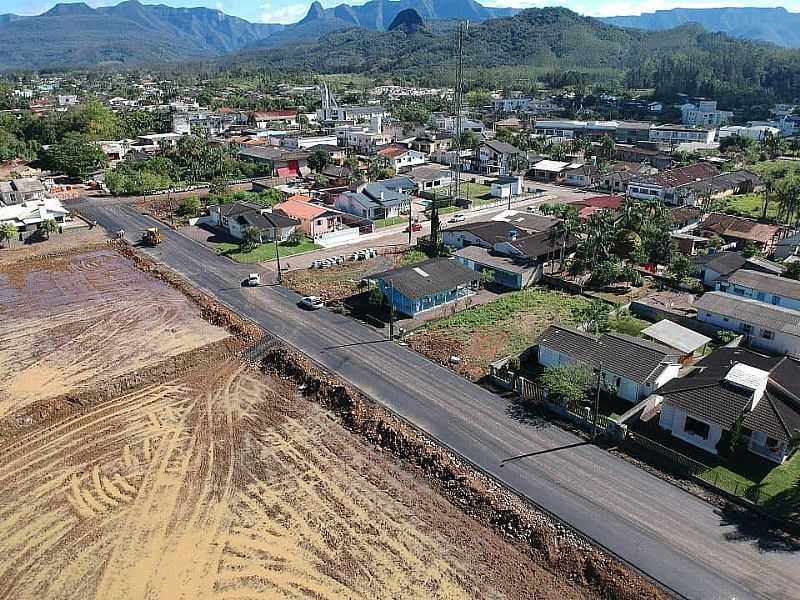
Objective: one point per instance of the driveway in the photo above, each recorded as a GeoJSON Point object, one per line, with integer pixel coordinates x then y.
{"type": "Point", "coordinates": [668, 534]}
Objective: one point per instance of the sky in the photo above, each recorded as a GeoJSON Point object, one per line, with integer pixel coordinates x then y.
{"type": "Point", "coordinates": [291, 11]}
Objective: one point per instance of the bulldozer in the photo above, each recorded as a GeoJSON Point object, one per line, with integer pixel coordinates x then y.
{"type": "Point", "coordinates": [151, 236]}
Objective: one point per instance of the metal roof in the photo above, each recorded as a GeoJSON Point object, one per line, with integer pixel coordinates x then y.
{"type": "Point", "coordinates": [675, 336]}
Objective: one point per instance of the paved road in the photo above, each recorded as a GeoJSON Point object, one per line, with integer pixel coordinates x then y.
{"type": "Point", "coordinates": [668, 534]}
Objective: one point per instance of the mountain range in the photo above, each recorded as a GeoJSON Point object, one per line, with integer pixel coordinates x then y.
{"type": "Point", "coordinates": [75, 34]}
{"type": "Point", "coordinates": [774, 25]}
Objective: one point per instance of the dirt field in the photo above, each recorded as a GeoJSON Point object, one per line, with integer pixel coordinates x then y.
{"type": "Point", "coordinates": [212, 481]}
{"type": "Point", "coordinates": [76, 319]}
{"type": "Point", "coordinates": [213, 485]}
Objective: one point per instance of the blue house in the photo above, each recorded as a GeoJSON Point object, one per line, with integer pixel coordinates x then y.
{"type": "Point", "coordinates": [426, 286]}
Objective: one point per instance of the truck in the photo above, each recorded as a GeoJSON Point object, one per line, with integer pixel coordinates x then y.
{"type": "Point", "coordinates": [151, 236]}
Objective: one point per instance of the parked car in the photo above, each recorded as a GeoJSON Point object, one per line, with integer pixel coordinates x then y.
{"type": "Point", "coordinates": [311, 303]}
{"type": "Point", "coordinates": [457, 218]}
{"type": "Point", "coordinates": [253, 280]}
{"type": "Point", "coordinates": [413, 227]}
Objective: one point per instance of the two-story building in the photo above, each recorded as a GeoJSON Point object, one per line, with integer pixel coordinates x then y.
{"type": "Point", "coordinates": [499, 158]}
{"type": "Point", "coordinates": [762, 287]}
{"type": "Point", "coordinates": [672, 135]}
{"type": "Point", "coordinates": [402, 159]}
{"type": "Point", "coordinates": [704, 114]}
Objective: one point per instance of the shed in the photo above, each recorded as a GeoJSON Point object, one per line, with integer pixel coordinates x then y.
{"type": "Point", "coordinates": [676, 336]}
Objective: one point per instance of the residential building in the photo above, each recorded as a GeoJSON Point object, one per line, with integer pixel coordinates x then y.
{"type": "Point", "coordinates": [235, 218]}
{"type": "Point", "coordinates": [282, 163]}
{"type": "Point", "coordinates": [641, 154]}
{"type": "Point", "coordinates": [21, 190]}
{"type": "Point", "coordinates": [511, 225]}
{"type": "Point", "coordinates": [307, 142]}
{"type": "Point", "coordinates": [772, 329]}
{"type": "Point", "coordinates": [686, 342]}
{"type": "Point", "coordinates": [432, 143]}
{"type": "Point", "coordinates": [402, 159]}
{"type": "Point", "coordinates": [430, 177]}
{"type": "Point", "coordinates": [429, 285]}
{"type": "Point", "coordinates": [631, 367]}
{"type": "Point", "coordinates": [508, 105]}
{"type": "Point", "coordinates": [335, 154]}
{"type": "Point", "coordinates": [499, 158]}
{"type": "Point", "coordinates": [589, 206]}
{"type": "Point", "coordinates": [757, 133]}
{"type": "Point", "coordinates": [448, 124]}
{"type": "Point", "coordinates": [712, 267]}
{"type": "Point", "coordinates": [30, 214]}
{"type": "Point", "coordinates": [704, 114]}
{"type": "Point", "coordinates": [667, 185]}
{"type": "Point", "coordinates": [586, 175]}
{"type": "Point", "coordinates": [375, 201]}
{"type": "Point", "coordinates": [787, 247]}
{"type": "Point", "coordinates": [273, 119]}
{"type": "Point", "coordinates": [550, 171]}
{"type": "Point", "coordinates": [672, 135]}
{"type": "Point", "coordinates": [315, 220]}
{"type": "Point", "coordinates": [735, 389]}
{"type": "Point", "coordinates": [739, 231]}
{"type": "Point", "coordinates": [362, 139]}
{"type": "Point", "coordinates": [507, 187]}
{"type": "Point", "coordinates": [762, 287]}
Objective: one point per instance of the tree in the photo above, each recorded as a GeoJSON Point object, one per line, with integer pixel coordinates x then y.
{"type": "Point", "coordinates": [793, 271]}
{"type": "Point", "coordinates": [47, 227]}
{"type": "Point", "coordinates": [567, 385]}
{"type": "Point", "coordinates": [750, 250]}
{"type": "Point", "coordinates": [318, 161]}
{"type": "Point", "coordinates": [295, 238]}
{"type": "Point", "coordinates": [469, 139]}
{"type": "Point", "coordinates": [627, 242]}
{"type": "Point", "coordinates": [7, 233]}
{"type": "Point", "coordinates": [606, 273]}
{"type": "Point", "coordinates": [76, 156]}
{"type": "Point", "coordinates": [189, 207]}
{"type": "Point", "coordinates": [632, 275]}
{"type": "Point", "coordinates": [251, 238]}
{"type": "Point", "coordinates": [218, 187]}
{"type": "Point", "coordinates": [376, 296]}
{"type": "Point", "coordinates": [593, 315]}
{"type": "Point", "coordinates": [302, 121]}
{"type": "Point", "coordinates": [487, 277]}
{"type": "Point", "coordinates": [681, 269]}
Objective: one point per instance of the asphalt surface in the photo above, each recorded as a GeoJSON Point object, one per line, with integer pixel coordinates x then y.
{"type": "Point", "coordinates": [671, 536]}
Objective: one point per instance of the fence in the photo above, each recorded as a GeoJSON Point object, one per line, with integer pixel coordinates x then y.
{"type": "Point", "coordinates": [578, 412]}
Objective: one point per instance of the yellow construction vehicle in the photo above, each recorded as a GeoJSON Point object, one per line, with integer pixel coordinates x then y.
{"type": "Point", "coordinates": [151, 236]}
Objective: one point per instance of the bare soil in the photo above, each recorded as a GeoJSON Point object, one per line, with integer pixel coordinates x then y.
{"type": "Point", "coordinates": [72, 241]}
{"type": "Point", "coordinates": [74, 319]}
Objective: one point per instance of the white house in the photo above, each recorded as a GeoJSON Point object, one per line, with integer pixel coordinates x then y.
{"type": "Point", "coordinates": [401, 159]}
{"type": "Point", "coordinates": [29, 215]}
{"type": "Point", "coordinates": [633, 368]}
{"type": "Point", "coordinates": [508, 105]}
{"type": "Point", "coordinates": [772, 329]}
{"type": "Point", "coordinates": [498, 158]}
{"type": "Point", "coordinates": [704, 114]}
{"type": "Point", "coordinates": [507, 187]}
{"type": "Point", "coordinates": [757, 133]}
{"type": "Point", "coordinates": [735, 388]}
{"type": "Point", "coordinates": [677, 134]}
{"type": "Point", "coordinates": [762, 287]}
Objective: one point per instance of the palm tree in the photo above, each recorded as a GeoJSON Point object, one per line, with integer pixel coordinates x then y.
{"type": "Point", "coordinates": [7, 233]}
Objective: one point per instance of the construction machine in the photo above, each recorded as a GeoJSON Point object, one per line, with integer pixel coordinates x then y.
{"type": "Point", "coordinates": [151, 236]}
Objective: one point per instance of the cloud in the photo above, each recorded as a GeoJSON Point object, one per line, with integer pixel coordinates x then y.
{"type": "Point", "coordinates": [278, 12]}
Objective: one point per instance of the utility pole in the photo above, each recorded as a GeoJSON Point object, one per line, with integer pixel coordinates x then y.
{"type": "Point", "coordinates": [391, 310]}
{"type": "Point", "coordinates": [410, 225]}
{"type": "Point", "coordinates": [459, 96]}
{"type": "Point", "coordinates": [278, 257]}
{"type": "Point", "coordinates": [597, 402]}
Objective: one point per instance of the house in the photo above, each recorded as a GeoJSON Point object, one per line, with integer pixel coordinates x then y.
{"type": "Point", "coordinates": [235, 218]}
{"type": "Point", "coordinates": [641, 153]}
{"type": "Point", "coordinates": [418, 289]}
{"type": "Point", "coordinates": [29, 215]}
{"type": "Point", "coordinates": [335, 154]}
{"type": "Point", "coordinates": [756, 133]}
{"type": "Point", "coordinates": [675, 336]}
{"type": "Point", "coordinates": [632, 367]}
{"type": "Point", "coordinates": [762, 287]}
{"type": "Point", "coordinates": [715, 266]}
{"type": "Point", "coordinates": [402, 159]}
{"type": "Point", "coordinates": [582, 176]}
{"type": "Point", "coordinates": [507, 187]}
{"type": "Point", "coordinates": [511, 272]}
{"type": "Point", "coordinates": [498, 158]}
{"type": "Point", "coordinates": [432, 143]}
{"type": "Point", "coordinates": [508, 105]}
{"type": "Point", "coordinates": [362, 139]}
{"type": "Point", "coordinates": [735, 388]}
{"type": "Point", "coordinates": [740, 231]}
{"type": "Point", "coordinates": [589, 206]}
{"type": "Point", "coordinates": [21, 190]}
{"type": "Point", "coordinates": [772, 329]}
{"type": "Point", "coordinates": [308, 142]}
{"type": "Point", "coordinates": [672, 135]}
{"type": "Point", "coordinates": [785, 247]}
{"type": "Point", "coordinates": [665, 186]}
{"type": "Point", "coordinates": [549, 171]}
{"type": "Point", "coordinates": [314, 220]}
{"type": "Point", "coordinates": [429, 177]}
{"type": "Point", "coordinates": [375, 201]}
{"type": "Point", "coordinates": [704, 114]}
{"type": "Point", "coordinates": [275, 118]}
{"type": "Point", "coordinates": [281, 163]}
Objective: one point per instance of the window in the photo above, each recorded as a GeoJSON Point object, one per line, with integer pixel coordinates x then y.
{"type": "Point", "coordinates": [767, 334]}
{"type": "Point", "coordinates": [696, 427]}
{"type": "Point", "coordinates": [776, 300]}
{"type": "Point", "coordinates": [746, 328]}
{"type": "Point", "coordinates": [760, 296]}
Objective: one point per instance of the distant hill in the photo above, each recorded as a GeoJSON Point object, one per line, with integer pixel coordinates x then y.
{"type": "Point", "coordinates": [565, 48]}
{"type": "Point", "coordinates": [407, 20]}
{"type": "Point", "coordinates": [378, 15]}
{"type": "Point", "coordinates": [75, 34]}
{"type": "Point", "coordinates": [775, 25]}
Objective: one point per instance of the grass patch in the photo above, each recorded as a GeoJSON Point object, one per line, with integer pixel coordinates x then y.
{"type": "Point", "coordinates": [505, 326]}
{"type": "Point", "coordinates": [413, 257]}
{"type": "Point", "coordinates": [475, 190]}
{"type": "Point", "coordinates": [265, 252]}
{"type": "Point", "coordinates": [380, 223]}
{"type": "Point", "coordinates": [748, 205]}
{"type": "Point", "coordinates": [627, 324]}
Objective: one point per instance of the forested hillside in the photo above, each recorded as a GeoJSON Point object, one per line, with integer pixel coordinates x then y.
{"type": "Point", "coordinates": [558, 46]}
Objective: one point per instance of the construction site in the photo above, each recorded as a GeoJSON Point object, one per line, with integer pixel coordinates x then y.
{"type": "Point", "coordinates": [153, 445]}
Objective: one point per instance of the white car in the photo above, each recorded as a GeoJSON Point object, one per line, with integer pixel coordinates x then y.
{"type": "Point", "coordinates": [253, 280]}
{"type": "Point", "coordinates": [457, 219]}
{"type": "Point", "coordinates": [311, 303]}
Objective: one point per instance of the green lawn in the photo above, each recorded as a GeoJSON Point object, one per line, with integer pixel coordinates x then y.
{"type": "Point", "coordinates": [390, 221]}
{"type": "Point", "coordinates": [265, 252]}
{"type": "Point", "coordinates": [474, 190]}
{"type": "Point", "coordinates": [628, 324]}
{"type": "Point", "coordinates": [413, 257]}
{"type": "Point", "coordinates": [748, 205]}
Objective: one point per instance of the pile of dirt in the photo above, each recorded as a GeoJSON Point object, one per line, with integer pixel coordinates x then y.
{"type": "Point", "coordinates": [212, 311]}
{"type": "Point", "coordinates": [558, 547]}
{"type": "Point", "coordinates": [440, 347]}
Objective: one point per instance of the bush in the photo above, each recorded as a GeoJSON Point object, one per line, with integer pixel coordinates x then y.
{"type": "Point", "coordinates": [189, 207]}
{"type": "Point", "coordinates": [725, 336]}
{"type": "Point", "coordinates": [567, 384]}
